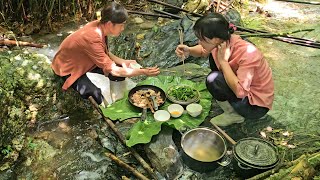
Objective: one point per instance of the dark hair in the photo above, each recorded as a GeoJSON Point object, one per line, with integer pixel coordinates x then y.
{"type": "Point", "coordinates": [115, 13]}
{"type": "Point", "coordinates": [212, 25]}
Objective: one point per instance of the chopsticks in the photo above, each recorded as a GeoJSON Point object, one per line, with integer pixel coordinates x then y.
{"type": "Point", "coordinates": [181, 34]}
{"type": "Point", "coordinates": [148, 102]}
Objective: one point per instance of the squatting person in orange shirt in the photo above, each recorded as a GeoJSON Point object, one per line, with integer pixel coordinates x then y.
{"type": "Point", "coordinates": [86, 50]}
{"type": "Point", "coordinates": [241, 79]}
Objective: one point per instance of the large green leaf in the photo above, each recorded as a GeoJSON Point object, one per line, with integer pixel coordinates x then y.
{"type": "Point", "coordinates": [121, 110]}
{"type": "Point", "coordinates": [142, 132]}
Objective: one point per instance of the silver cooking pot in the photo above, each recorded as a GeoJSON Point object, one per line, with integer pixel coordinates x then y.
{"type": "Point", "coordinates": [203, 149]}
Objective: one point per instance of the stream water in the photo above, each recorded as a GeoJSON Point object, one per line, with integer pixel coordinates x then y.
{"type": "Point", "coordinates": [68, 148]}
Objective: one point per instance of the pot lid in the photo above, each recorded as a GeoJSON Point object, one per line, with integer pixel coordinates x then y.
{"type": "Point", "coordinates": [256, 152]}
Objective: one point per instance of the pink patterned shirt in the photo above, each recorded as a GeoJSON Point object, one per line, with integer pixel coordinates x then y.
{"type": "Point", "coordinates": [252, 70]}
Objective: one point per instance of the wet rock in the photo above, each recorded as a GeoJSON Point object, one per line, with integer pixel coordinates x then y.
{"type": "Point", "coordinates": [197, 6]}
{"type": "Point", "coordinates": [138, 20]}
{"type": "Point", "coordinates": [55, 139]}
{"type": "Point", "coordinates": [164, 155]}
{"type": "Point", "coordinates": [31, 93]}
{"type": "Point", "coordinates": [92, 133]}
{"type": "Point", "coordinates": [93, 157]}
{"type": "Point", "coordinates": [140, 36]}
{"type": "Point", "coordinates": [159, 44]}
{"type": "Point", "coordinates": [147, 25]}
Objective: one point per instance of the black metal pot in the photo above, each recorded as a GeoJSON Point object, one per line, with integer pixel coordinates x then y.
{"type": "Point", "coordinates": [203, 149]}
{"type": "Point", "coordinates": [253, 156]}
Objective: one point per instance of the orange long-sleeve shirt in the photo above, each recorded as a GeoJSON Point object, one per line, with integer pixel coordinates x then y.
{"type": "Point", "coordinates": [81, 52]}
{"type": "Point", "coordinates": [252, 70]}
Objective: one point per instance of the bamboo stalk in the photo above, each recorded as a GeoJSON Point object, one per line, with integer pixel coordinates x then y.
{"type": "Point", "coordinates": [171, 71]}
{"type": "Point", "coordinates": [149, 14]}
{"type": "Point", "coordinates": [233, 142]}
{"type": "Point", "coordinates": [287, 39]}
{"type": "Point", "coordinates": [301, 2]}
{"type": "Point", "coordinates": [227, 6]}
{"type": "Point", "coordinates": [19, 5]}
{"type": "Point", "coordinates": [124, 178]}
{"type": "Point", "coordinates": [144, 164]}
{"type": "Point", "coordinates": [126, 166]}
{"type": "Point", "coordinates": [218, 6]}
{"type": "Point", "coordinates": [291, 37]}
{"type": "Point", "coordinates": [181, 34]}
{"type": "Point", "coordinates": [169, 14]}
{"type": "Point", "coordinates": [274, 34]}
{"type": "Point", "coordinates": [19, 43]}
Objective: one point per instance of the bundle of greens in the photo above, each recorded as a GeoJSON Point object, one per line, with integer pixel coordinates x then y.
{"type": "Point", "coordinates": [183, 93]}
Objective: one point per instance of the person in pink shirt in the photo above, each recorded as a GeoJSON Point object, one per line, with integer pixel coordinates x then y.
{"type": "Point", "coordinates": [241, 79]}
{"type": "Point", "coordinates": [86, 51]}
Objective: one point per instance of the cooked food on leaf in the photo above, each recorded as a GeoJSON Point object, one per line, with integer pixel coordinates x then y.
{"type": "Point", "coordinates": [140, 98]}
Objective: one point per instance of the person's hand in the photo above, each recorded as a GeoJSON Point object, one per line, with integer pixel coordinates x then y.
{"type": "Point", "coordinates": [151, 71]}
{"type": "Point", "coordinates": [224, 52]}
{"type": "Point", "coordinates": [182, 51]}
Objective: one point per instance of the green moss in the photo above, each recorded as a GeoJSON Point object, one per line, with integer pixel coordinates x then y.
{"type": "Point", "coordinates": [30, 92]}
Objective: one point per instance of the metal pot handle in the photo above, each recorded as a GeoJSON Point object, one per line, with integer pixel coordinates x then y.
{"type": "Point", "coordinates": [225, 160]}
{"type": "Point", "coordinates": [184, 129]}
{"type": "Point", "coordinates": [242, 167]}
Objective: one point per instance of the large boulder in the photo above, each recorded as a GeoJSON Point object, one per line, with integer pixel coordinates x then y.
{"type": "Point", "coordinates": [30, 93]}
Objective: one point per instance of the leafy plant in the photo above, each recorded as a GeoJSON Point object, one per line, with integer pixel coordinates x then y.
{"type": "Point", "coordinates": [7, 150]}
{"type": "Point", "coordinates": [183, 93]}
{"type": "Point", "coordinates": [31, 145]}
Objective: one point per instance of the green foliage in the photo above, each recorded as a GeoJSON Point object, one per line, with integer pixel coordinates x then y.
{"type": "Point", "coordinates": [31, 144]}
{"type": "Point", "coordinates": [183, 93]}
{"type": "Point", "coordinates": [254, 22]}
{"type": "Point", "coordinates": [155, 28]}
{"type": "Point", "coordinates": [26, 80]}
{"type": "Point", "coordinates": [142, 132]}
{"type": "Point", "coordinates": [7, 150]}
{"type": "Point", "coordinates": [26, 13]}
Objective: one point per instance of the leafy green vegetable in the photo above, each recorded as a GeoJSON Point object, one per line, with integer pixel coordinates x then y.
{"type": "Point", "coordinates": [182, 93]}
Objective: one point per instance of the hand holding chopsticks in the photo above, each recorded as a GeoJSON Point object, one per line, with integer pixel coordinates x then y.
{"type": "Point", "coordinates": [181, 34]}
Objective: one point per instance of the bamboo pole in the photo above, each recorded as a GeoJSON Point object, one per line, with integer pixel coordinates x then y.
{"type": "Point", "coordinates": [126, 166]}
{"type": "Point", "coordinates": [301, 2]}
{"type": "Point", "coordinates": [218, 6]}
{"type": "Point", "coordinates": [288, 166]}
{"type": "Point", "coordinates": [280, 38]}
{"type": "Point", "coordinates": [149, 14]}
{"type": "Point", "coordinates": [181, 35]}
{"type": "Point", "coordinates": [169, 14]}
{"type": "Point", "coordinates": [224, 134]}
{"type": "Point", "coordinates": [7, 42]}
{"type": "Point", "coordinates": [274, 34]}
{"type": "Point", "coordinates": [287, 39]}
{"type": "Point", "coordinates": [144, 164]}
